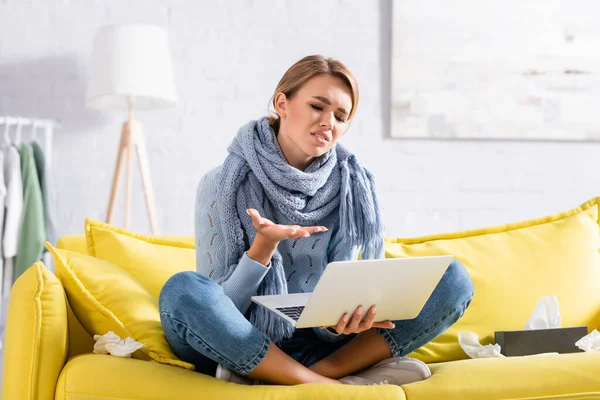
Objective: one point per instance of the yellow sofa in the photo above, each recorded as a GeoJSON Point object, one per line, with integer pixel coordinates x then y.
{"type": "Point", "coordinates": [49, 354]}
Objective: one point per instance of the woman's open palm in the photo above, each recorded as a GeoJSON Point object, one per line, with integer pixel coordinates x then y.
{"type": "Point", "coordinates": [278, 232]}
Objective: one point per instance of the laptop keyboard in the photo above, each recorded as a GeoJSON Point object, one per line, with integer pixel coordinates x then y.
{"type": "Point", "coordinates": [292, 312]}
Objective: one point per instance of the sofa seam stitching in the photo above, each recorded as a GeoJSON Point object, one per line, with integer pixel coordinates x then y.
{"type": "Point", "coordinates": [36, 298]}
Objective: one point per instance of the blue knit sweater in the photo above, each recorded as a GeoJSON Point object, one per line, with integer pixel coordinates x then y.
{"type": "Point", "coordinates": [304, 259]}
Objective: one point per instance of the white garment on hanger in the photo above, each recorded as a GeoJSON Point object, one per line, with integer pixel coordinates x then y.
{"type": "Point", "coordinates": [14, 208]}
{"type": "Point", "coordinates": [14, 201]}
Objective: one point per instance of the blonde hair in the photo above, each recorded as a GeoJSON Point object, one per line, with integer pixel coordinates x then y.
{"type": "Point", "coordinates": [304, 70]}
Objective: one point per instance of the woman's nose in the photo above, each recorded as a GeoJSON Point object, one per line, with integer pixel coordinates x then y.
{"type": "Point", "coordinates": [327, 121]}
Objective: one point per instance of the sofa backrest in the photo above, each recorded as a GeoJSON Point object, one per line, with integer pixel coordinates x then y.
{"type": "Point", "coordinates": [512, 267]}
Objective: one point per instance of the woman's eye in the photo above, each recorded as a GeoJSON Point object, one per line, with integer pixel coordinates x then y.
{"type": "Point", "coordinates": [319, 108]}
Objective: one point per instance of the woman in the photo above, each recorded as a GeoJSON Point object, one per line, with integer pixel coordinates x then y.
{"type": "Point", "coordinates": [288, 200]}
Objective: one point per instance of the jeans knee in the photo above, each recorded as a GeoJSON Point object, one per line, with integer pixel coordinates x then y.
{"type": "Point", "coordinates": [187, 290]}
{"type": "Point", "coordinates": [460, 285]}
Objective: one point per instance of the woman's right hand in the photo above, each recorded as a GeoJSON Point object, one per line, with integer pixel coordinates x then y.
{"type": "Point", "coordinates": [275, 232]}
{"type": "Point", "coordinates": [355, 323]}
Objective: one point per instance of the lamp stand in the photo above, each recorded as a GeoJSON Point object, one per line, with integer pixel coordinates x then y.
{"type": "Point", "coordinates": [132, 136]}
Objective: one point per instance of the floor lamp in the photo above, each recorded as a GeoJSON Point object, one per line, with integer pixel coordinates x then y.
{"type": "Point", "coordinates": [131, 68]}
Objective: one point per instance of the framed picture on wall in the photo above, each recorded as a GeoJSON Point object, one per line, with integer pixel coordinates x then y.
{"type": "Point", "coordinates": [511, 69]}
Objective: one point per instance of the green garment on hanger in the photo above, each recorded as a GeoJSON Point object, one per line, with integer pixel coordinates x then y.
{"type": "Point", "coordinates": [32, 233]}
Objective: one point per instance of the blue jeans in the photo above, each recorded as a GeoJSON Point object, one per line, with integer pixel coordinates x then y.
{"type": "Point", "coordinates": [203, 326]}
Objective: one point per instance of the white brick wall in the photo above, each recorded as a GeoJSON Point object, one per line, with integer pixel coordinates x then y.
{"type": "Point", "coordinates": [228, 57]}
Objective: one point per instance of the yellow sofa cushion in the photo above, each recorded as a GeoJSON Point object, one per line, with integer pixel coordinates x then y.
{"type": "Point", "coordinates": [152, 260]}
{"type": "Point", "coordinates": [563, 376]}
{"type": "Point", "coordinates": [512, 266]}
{"type": "Point", "coordinates": [96, 377]}
{"type": "Point", "coordinates": [75, 243]}
{"type": "Point", "coordinates": [36, 338]}
{"type": "Point", "coordinates": [80, 341]}
{"type": "Point", "coordinates": [106, 298]}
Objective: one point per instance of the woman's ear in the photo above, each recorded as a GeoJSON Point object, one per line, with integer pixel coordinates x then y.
{"type": "Point", "coordinates": [281, 105]}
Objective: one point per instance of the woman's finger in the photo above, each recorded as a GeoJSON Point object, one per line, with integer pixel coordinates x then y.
{"type": "Point", "coordinates": [299, 233]}
{"type": "Point", "coordinates": [315, 229]}
{"type": "Point", "coordinates": [304, 233]}
{"type": "Point", "coordinates": [355, 321]}
{"type": "Point", "coordinates": [368, 321]}
{"type": "Point", "coordinates": [255, 216]}
{"type": "Point", "coordinates": [252, 212]}
{"type": "Point", "coordinates": [290, 231]}
{"type": "Point", "coordinates": [384, 324]}
{"type": "Point", "coordinates": [341, 326]}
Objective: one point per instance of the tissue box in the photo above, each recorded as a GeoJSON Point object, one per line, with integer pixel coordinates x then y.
{"type": "Point", "coordinates": [536, 341]}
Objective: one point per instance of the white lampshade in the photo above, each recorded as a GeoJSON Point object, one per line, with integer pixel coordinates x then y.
{"type": "Point", "coordinates": [131, 61]}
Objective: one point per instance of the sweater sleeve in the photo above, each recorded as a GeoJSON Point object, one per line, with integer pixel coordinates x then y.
{"type": "Point", "coordinates": [241, 284]}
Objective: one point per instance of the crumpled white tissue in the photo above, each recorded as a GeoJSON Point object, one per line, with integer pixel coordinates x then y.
{"type": "Point", "coordinates": [112, 344]}
{"type": "Point", "coordinates": [589, 342]}
{"type": "Point", "coordinates": [469, 342]}
{"type": "Point", "coordinates": [545, 315]}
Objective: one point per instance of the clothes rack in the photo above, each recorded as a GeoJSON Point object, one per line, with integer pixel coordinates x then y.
{"type": "Point", "coordinates": [46, 126]}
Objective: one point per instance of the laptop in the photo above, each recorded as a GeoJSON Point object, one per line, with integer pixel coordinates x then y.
{"type": "Point", "coordinates": [399, 288]}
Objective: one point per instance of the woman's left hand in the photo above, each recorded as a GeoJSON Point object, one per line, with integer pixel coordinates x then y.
{"type": "Point", "coordinates": [356, 323]}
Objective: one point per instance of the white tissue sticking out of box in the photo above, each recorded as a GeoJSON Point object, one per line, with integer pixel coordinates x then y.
{"type": "Point", "coordinates": [590, 342]}
{"type": "Point", "coordinates": [469, 342]}
{"type": "Point", "coordinates": [112, 344]}
{"type": "Point", "coordinates": [545, 315]}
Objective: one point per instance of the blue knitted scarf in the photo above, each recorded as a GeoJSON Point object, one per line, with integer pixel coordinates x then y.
{"type": "Point", "coordinates": [256, 175]}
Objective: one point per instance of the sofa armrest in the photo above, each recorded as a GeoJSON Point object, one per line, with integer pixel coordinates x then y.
{"type": "Point", "coordinates": [108, 377]}
{"type": "Point", "coordinates": [36, 338]}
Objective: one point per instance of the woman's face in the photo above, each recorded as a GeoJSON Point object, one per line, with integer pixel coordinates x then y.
{"type": "Point", "coordinates": [313, 119]}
